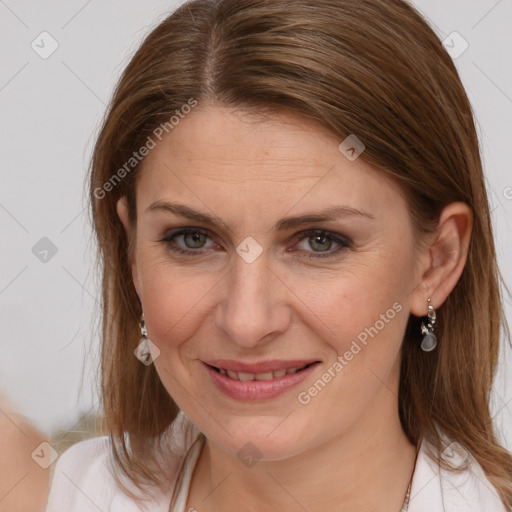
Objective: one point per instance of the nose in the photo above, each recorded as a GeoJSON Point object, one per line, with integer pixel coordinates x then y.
{"type": "Point", "coordinates": [253, 309]}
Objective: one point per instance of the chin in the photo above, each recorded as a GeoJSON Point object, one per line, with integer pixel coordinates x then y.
{"type": "Point", "coordinates": [254, 440]}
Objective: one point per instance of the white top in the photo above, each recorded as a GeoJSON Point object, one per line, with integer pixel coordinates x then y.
{"type": "Point", "coordinates": [82, 481]}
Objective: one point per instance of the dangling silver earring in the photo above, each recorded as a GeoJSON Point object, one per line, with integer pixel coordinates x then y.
{"type": "Point", "coordinates": [146, 351]}
{"type": "Point", "coordinates": [429, 341]}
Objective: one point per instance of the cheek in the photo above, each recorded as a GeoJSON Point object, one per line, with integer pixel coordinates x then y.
{"type": "Point", "coordinates": [356, 303]}
{"type": "Point", "coordinates": [361, 317]}
{"type": "Point", "coordinates": [369, 337]}
{"type": "Point", "coordinates": [173, 299]}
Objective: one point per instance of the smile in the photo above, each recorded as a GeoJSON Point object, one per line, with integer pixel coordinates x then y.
{"type": "Point", "coordinates": [247, 376]}
{"type": "Point", "coordinates": [256, 382]}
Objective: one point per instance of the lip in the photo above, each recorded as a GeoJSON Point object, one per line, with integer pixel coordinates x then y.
{"type": "Point", "coordinates": [258, 390]}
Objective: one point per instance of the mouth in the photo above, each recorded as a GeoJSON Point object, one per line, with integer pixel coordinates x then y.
{"type": "Point", "coordinates": [268, 375]}
{"type": "Point", "coordinates": [260, 381]}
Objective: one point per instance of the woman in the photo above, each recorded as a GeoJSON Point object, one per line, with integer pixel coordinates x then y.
{"type": "Point", "coordinates": [300, 290]}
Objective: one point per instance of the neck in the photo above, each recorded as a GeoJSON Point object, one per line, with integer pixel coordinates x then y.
{"type": "Point", "coordinates": [367, 468]}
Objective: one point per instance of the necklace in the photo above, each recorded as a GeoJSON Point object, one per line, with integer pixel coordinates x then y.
{"type": "Point", "coordinates": [405, 506]}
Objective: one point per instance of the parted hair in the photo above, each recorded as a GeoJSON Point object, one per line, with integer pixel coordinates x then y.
{"type": "Point", "coordinates": [367, 67]}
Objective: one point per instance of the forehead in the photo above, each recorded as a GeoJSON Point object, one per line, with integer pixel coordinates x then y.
{"type": "Point", "coordinates": [284, 161]}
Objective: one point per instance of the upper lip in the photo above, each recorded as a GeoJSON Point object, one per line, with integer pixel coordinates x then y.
{"type": "Point", "coordinates": [261, 367]}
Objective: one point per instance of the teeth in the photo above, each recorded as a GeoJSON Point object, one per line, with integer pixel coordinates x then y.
{"type": "Point", "coordinates": [247, 376]}
{"type": "Point", "coordinates": [264, 376]}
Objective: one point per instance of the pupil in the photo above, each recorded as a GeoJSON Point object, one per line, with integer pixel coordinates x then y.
{"type": "Point", "coordinates": [318, 239]}
{"type": "Point", "coordinates": [196, 238]}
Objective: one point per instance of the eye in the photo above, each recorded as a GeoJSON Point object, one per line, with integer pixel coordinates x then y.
{"type": "Point", "coordinates": [193, 239]}
{"type": "Point", "coordinates": [322, 242]}
{"type": "Point", "coordinates": [192, 242]}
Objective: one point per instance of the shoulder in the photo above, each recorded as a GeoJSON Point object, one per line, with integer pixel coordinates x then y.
{"type": "Point", "coordinates": [465, 488]}
{"type": "Point", "coordinates": [81, 469]}
{"type": "Point", "coordinates": [83, 479]}
{"type": "Point", "coordinates": [19, 437]}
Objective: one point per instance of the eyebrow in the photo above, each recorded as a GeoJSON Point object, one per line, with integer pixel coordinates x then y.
{"type": "Point", "coordinates": [326, 215]}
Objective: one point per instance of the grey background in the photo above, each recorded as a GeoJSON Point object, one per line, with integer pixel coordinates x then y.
{"type": "Point", "coordinates": [50, 110]}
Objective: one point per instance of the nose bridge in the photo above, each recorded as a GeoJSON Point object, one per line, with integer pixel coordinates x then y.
{"type": "Point", "coordinates": [252, 307]}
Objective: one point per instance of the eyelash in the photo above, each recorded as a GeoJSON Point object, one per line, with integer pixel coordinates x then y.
{"type": "Point", "coordinates": [342, 242]}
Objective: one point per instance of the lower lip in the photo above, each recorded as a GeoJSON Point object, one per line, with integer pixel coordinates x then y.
{"type": "Point", "coordinates": [256, 390]}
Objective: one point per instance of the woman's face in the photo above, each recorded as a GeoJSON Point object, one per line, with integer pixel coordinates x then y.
{"type": "Point", "coordinates": [269, 288]}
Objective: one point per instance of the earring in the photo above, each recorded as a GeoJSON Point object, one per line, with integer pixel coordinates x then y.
{"type": "Point", "coordinates": [144, 350]}
{"type": "Point", "coordinates": [429, 341]}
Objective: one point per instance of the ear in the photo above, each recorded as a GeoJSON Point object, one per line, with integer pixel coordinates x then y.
{"type": "Point", "coordinates": [445, 258]}
{"type": "Point", "coordinates": [122, 212]}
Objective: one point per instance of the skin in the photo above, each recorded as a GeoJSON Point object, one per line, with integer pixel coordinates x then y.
{"type": "Point", "coordinates": [23, 483]}
{"type": "Point", "coordinates": [249, 173]}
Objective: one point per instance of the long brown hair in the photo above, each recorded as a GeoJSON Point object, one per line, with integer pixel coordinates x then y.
{"type": "Point", "coordinates": [367, 67]}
